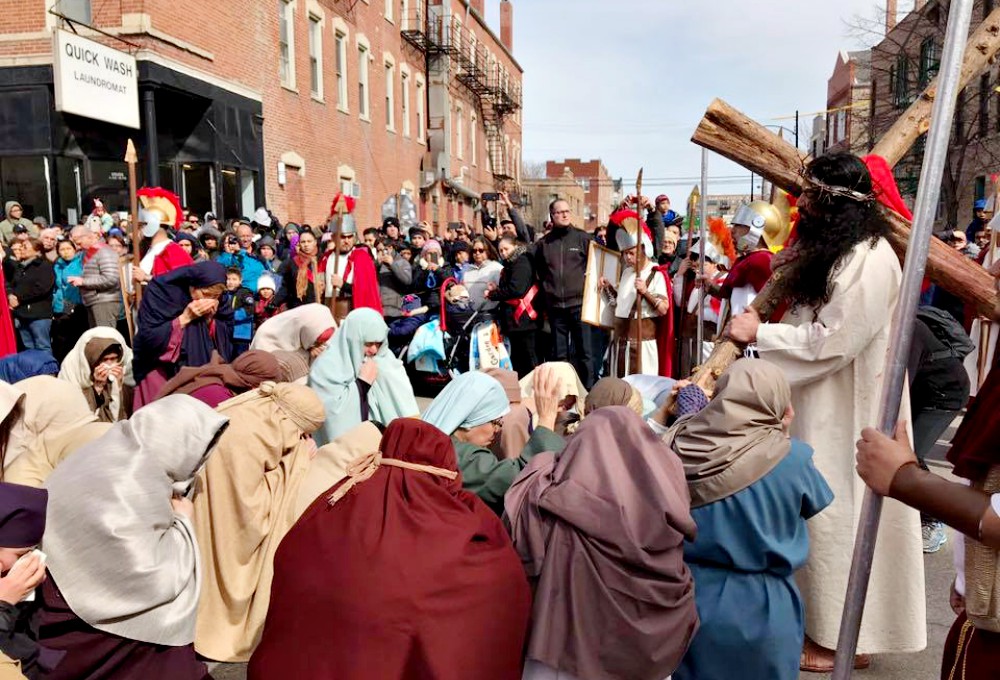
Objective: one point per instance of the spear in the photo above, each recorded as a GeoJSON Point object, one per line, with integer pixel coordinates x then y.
{"type": "Point", "coordinates": [339, 209]}
{"type": "Point", "coordinates": [640, 262]}
{"type": "Point", "coordinates": [131, 159]}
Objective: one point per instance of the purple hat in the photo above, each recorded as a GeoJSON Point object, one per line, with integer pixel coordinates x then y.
{"type": "Point", "coordinates": [22, 515]}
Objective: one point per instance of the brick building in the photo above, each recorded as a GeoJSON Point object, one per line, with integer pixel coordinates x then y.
{"type": "Point", "coordinates": [903, 64]}
{"type": "Point", "coordinates": [280, 103]}
{"type": "Point", "coordinates": [597, 185]}
{"type": "Point", "coordinates": [848, 92]}
{"type": "Point", "coordinates": [542, 191]}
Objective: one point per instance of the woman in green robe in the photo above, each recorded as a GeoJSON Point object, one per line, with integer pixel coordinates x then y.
{"type": "Point", "coordinates": [471, 410]}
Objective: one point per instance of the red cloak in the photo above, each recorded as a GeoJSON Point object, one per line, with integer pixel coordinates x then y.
{"type": "Point", "coordinates": [172, 257]}
{"type": "Point", "coordinates": [8, 344]}
{"type": "Point", "coordinates": [364, 286]}
{"type": "Point", "coordinates": [407, 576]}
{"type": "Point", "coordinates": [665, 328]}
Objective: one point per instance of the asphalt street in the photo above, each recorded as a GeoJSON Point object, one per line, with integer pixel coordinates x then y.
{"type": "Point", "coordinates": [925, 665]}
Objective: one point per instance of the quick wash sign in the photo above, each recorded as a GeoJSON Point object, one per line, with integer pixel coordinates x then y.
{"type": "Point", "coordinates": [95, 81]}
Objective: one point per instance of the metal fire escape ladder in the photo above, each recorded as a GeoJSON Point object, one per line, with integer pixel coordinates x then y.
{"type": "Point", "coordinates": [481, 76]}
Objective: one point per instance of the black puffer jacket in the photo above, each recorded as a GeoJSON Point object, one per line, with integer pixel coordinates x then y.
{"type": "Point", "coordinates": [516, 279]}
{"type": "Point", "coordinates": [32, 283]}
{"type": "Point", "coordinates": [561, 266]}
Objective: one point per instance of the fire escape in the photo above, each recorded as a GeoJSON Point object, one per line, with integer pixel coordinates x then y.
{"type": "Point", "coordinates": [471, 65]}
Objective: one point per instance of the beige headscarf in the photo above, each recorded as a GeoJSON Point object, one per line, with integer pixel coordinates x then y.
{"type": "Point", "coordinates": [568, 421]}
{"type": "Point", "coordinates": [244, 507]}
{"type": "Point", "coordinates": [294, 330]}
{"type": "Point", "coordinates": [572, 387]}
{"type": "Point", "coordinates": [331, 462]}
{"type": "Point", "coordinates": [11, 398]}
{"type": "Point", "coordinates": [738, 438]}
{"type": "Point", "coordinates": [77, 367]}
{"type": "Point", "coordinates": [613, 392]}
{"type": "Point", "coordinates": [126, 563]}
{"type": "Point", "coordinates": [294, 366]}
{"type": "Point", "coordinates": [52, 407]}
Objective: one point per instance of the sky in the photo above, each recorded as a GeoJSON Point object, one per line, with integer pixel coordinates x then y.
{"type": "Point", "coordinates": [627, 81]}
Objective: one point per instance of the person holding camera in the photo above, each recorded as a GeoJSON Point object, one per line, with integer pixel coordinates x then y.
{"type": "Point", "coordinates": [395, 279]}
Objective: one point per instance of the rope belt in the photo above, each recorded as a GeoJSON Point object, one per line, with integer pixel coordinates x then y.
{"type": "Point", "coordinates": [364, 467]}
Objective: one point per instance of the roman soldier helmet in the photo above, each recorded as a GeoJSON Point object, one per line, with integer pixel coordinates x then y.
{"type": "Point", "coordinates": [627, 235]}
{"type": "Point", "coordinates": [160, 208]}
{"type": "Point", "coordinates": [763, 220]}
{"type": "Point", "coordinates": [342, 205]}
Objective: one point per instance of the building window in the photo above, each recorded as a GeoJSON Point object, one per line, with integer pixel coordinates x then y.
{"type": "Point", "coordinates": [472, 139]}
{"type": "Point", "coordinates": [316, 56]}
{"type": "Point", "coordinates": [421, 112]}
{"type": "Point", "coordinates": [388, 9]}
{"type": "Point", "coordinates": [404, 15]}
{"type": "Point", "coordinates": [75, 9]}
{"type": "Point", "coordinates": [841, 125]}
{"type": "Point", "coordinates": [390, 97]}
{"type": "Point", "coordinates": [459, 136]}
{"type": "Point", "coordinates": [456, 33]}
{"type": "Point", "coordinates": [363, 103]}
{"type": "Point", "coordinates": [930, 61]}
{"type": "Point", "coordinates": [472, 49]}
{"type": "Point", "coordinates": [984, 104]}
{"type": "Point", "coordinates": [404, 89]}
{"type": "Point", "coordinates": [901, 91]}
{"type": "Point", "coordinates": [584, 183]}
{"type": "Point", "coordinates": [340, 66]}
{"type": "Point", "coordinates": [987, 8]}
{"type": "Point", "coordinates": [286, 42]}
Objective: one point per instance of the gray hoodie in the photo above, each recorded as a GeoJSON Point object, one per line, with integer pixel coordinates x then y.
{"type": "Point", "coordinates": [7, 226]}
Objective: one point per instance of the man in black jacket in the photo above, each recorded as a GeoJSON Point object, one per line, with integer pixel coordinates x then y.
{"type": "Point", "coordinates": [561, 267]}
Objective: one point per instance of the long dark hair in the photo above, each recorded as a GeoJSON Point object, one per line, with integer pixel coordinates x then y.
{"type": "Point", "coordinates": [832, 225]}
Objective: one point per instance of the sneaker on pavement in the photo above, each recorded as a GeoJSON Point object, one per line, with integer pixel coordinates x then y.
{"type": "Point", "coordinates": [934, 537]}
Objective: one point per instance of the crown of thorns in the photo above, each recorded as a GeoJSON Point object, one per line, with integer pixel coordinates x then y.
{"type": "Point", "coordinates": [813, 184]}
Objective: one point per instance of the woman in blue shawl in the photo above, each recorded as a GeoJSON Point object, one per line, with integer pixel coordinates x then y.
{"type": "Point", "coordinates": [359, 379]}
{"type": "Point", "coordinates": [181, 322]}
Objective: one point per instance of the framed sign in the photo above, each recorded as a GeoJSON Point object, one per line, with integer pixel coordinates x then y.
{"type": "Point", "coordinates": [604, 262]}
{"type": "Point", "coordinates": [94, 80]}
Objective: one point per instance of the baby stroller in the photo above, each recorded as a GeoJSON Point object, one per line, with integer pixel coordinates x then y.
{"type": "Point", "coordinates": [460, 339]}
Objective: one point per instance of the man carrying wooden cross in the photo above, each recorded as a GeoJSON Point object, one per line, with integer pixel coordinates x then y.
{"type": "Point", "coordinates": [844, 279]}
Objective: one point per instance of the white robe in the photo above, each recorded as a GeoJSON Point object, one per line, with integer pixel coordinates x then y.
{"type": "Point", "coordinates": [623, 310]}
{"type": "Point", "coordinates": [972, 360]}
{"type": "Point", "coordinates": [835, 365]}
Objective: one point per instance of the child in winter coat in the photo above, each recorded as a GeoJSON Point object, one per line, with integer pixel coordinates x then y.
{"type": "Point", "coordinates": [243, 311]}
{"type": "Point", "coordinates": [267, 303]}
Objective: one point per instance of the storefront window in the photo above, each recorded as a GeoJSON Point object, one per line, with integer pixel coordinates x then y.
{"type": "Point", "coordinates": [230, 193]}
{"type": "Point", "coordinates": [198, 184]}
{"type": "Point", "coordinates": [248, 190]}
{"type": "Point", "coordinates": [22, 179]}
{"type": "Point", "coordinates": [108, 181]}
{"type": "Point", "coordinates": [69, 180]}
{"type": "Point", "coordinates": [167, 180]}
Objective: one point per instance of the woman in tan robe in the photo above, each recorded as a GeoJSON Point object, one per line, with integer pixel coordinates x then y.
{"type": "Point", "coordinates": [56, 421]}
{"type": "Point", "coordinates": [244, 507]}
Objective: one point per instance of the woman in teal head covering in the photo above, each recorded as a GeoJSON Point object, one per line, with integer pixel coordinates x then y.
{"type": "Point", "coordinates": [359, 379]}
{"type": "Point", "coordinates": [471, 409]}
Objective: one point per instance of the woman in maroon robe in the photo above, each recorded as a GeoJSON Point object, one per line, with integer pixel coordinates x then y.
{"type": "Point", "coordinates": [396, 572]}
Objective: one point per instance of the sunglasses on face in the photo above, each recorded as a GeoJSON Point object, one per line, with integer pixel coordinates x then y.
{"type": "Point", "coordinates": [478, 250]}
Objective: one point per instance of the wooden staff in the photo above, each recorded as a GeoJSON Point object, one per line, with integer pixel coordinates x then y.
{"type": "Point", "coordinates": [131, 158]}
{"type": "Point", "coordinates": [640, 262]}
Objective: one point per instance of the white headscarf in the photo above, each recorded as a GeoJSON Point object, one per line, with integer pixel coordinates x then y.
{"type": "Point", "coordinates": [77, 370]}
{"type": "Point", "coordinates": [124, 561]}
{"type": "Point", "coordinates": [296, 329]}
